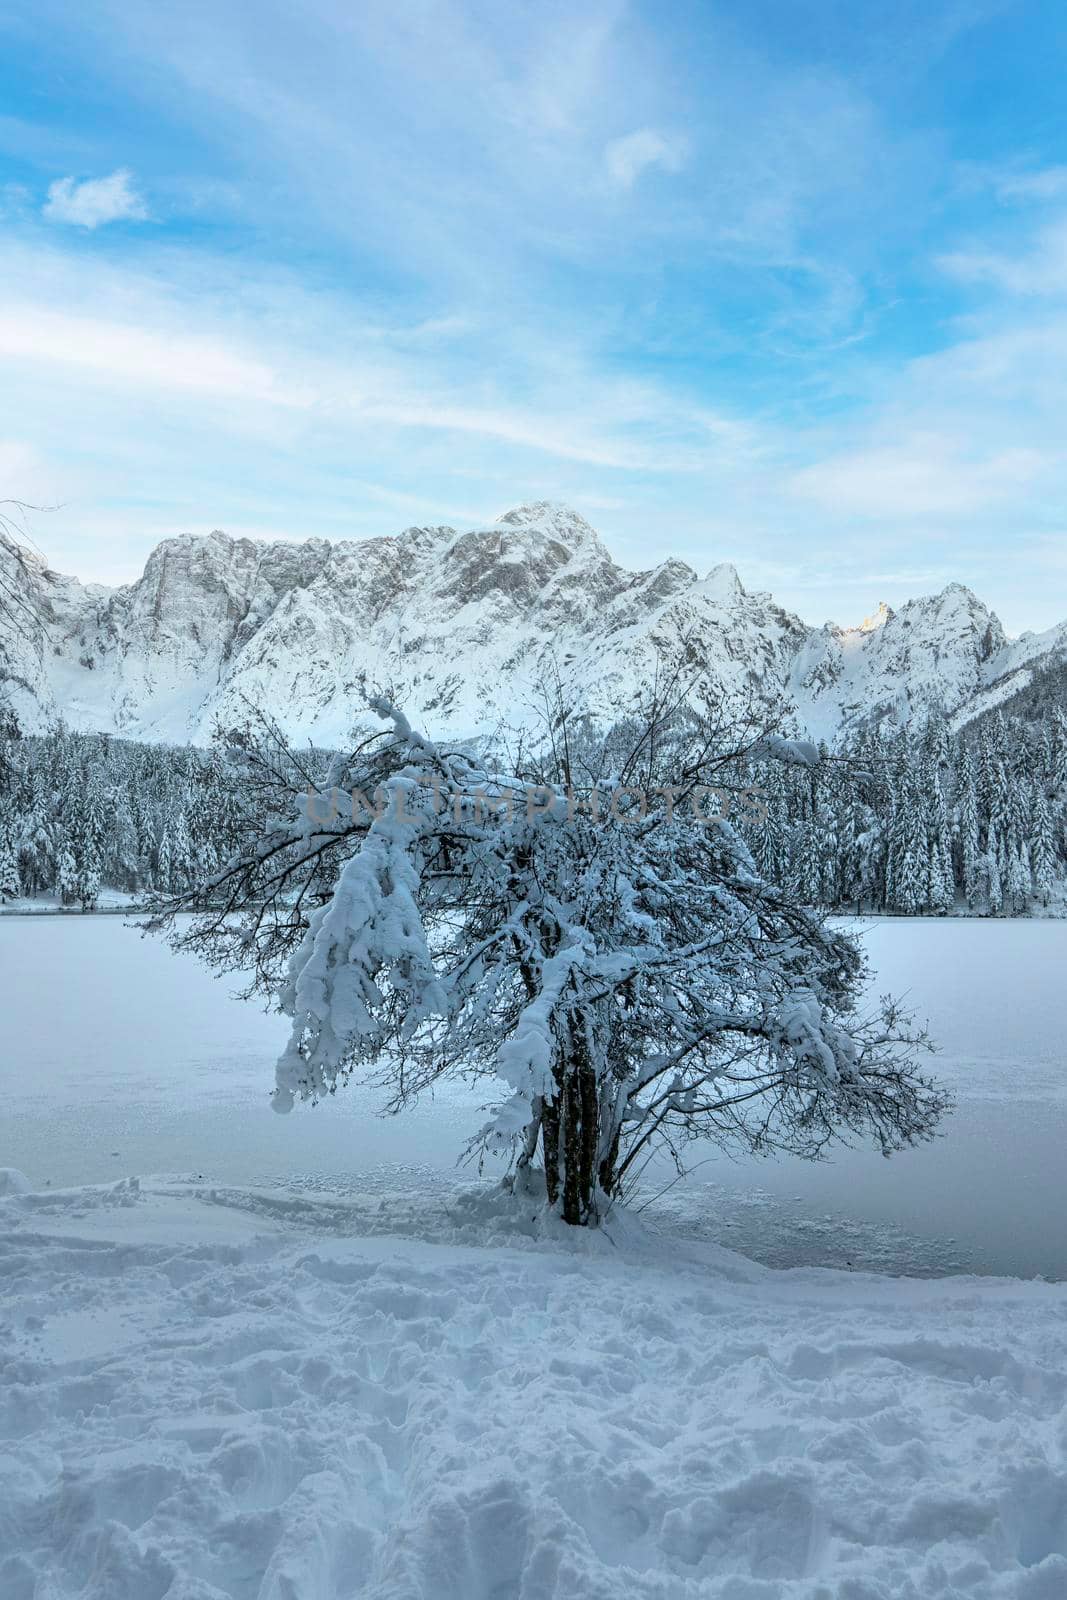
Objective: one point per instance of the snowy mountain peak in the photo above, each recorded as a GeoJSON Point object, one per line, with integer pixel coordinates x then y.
{"type": "Point", "coordinates": [722, 583]}
{"type": "Point", "coordinates": [956, 599]}
{"type": "Point", "coordinates": [878, 618]}
{"type": "Point", "coordinates": [461, 627]}
{"type": "Point", "coordinates": [550, 517]}
{"type": "Point", "coordinates": [958, 612]}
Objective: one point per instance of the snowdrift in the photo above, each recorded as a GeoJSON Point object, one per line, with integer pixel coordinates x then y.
{"type": "Point", "coordinates": [208, 1393]}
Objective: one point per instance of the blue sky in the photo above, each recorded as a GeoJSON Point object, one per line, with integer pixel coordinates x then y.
{"type": "Point", "coordinates": [781, 282]}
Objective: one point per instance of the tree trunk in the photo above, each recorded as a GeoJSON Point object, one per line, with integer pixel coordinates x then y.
{"type": "Point", "coordinates": [575, 1196]}
{"type": "Point", "coordinates": [570, 1135]}
{"type": "Point", "coordinates": [609, 1162]}
{"type": "Point", "coordinates": [550, 1146]}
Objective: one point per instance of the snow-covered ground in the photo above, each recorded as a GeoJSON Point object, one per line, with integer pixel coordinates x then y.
{"type": "Point", "coordinates": [50, 905]}
{"type": "Point", "coordinates": [329, 1369]}
{"type": "Point", "coordinates": [209, 1394]}
{"type": "Point", "coordinates": [117, 1057]}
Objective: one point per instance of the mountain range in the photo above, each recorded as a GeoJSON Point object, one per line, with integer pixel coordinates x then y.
{"type": "Point", "coordinates": [462, 627]}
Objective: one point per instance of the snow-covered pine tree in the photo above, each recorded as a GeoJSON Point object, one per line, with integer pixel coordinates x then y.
{"type": "Point", "coordinates": [1042, 849]}
{"type": "Point", "coordinates": [163, 877]}
{"type": "Point", "coordinates": [967, 830]}
{"type": "Point", "coordinates": [811, 862]}
{"type": "Point", "coordinates": [939, 880]}
{"type": "Point", "coordinates": [10, 882]}
{"type": "Point", "coordinates": [908, 867]}
{"type": "Point", "coordinates": [122, 857]}
{"type": "Point", "coordinates": [35, 846]}
{"type": "Point", "coordinates": [994, 885]}
{"type": "Point", "coordinates": [66, 874]}
{"type": "Point", "coordinates": [1020, 880]}
{"type": "Point", "coordinates": [182, 864]}
{"type": "Point", "coordinates": [868, 884]}
{"type": "Point", "coordinates": [9, 743]}
{"type": "Point", "coordinates": [999, 836]}
{"type": "Point", "coordinates": [770, 840]}
{"type": "Point", "coordinates": [1019, 809]}
{"type": "Point", "coordinates": [96, 808]}
{"type": "Point", "coordinates": [832, 841]}
{"type": "Point", "coordinates": [87, 881]}
{"type": "Point", "coordinates": [613, 956]}
{"type": "Point", "coordinates": [1059, 756]}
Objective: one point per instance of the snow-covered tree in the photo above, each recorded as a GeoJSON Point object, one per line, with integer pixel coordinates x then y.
{"type": "Point", "coordinates": [122, 843]}
{"type": "Point", "coordinates": [994, 886]}
{"type": "Point", "coordinates": [939, 881]}
{"type": "Point", "coordinates": [1020, 884]}
{"type": "Point", "coordinates": [181, 853]}
{"type": "Point", "coordinates": [1042, 849]}
{"type": "Point", "coordinates": [967, 830]}
{"type": "Point", "coordinates": [605, 946]}
{"type": "Point", "coordinates": [907, 869]}
{"type": "Point", "coordinates": [66, 875]}
{"type": "Point", "coordinates": [10, 882]}
{"type": "Point", "coordinates": [87, 882]}
{"type": "Point", "coordinates": [897, 821]}
{"type": "Point", "coordinates": [1058, 741]}
{"type": "Point", "coordinates": [163, 874]}
{"type": "Point", "coordinates": [868, 873]}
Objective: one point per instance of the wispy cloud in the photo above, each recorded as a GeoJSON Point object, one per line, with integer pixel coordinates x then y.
{"type": "Point", "coordinates": [317, 362]}
{"type": "Point", "coordinates": [149, 358]}
{"type": "Point", "coordinates": [921, 476]}
{"type": "Point", "coordinates": [1030, 185]}
{"type": "Point", "coordinates": [1040, 269]}
{"type": "Point", "coordinates": [627, 158]}
{"type": "Point", "coordinates": [95, 201]}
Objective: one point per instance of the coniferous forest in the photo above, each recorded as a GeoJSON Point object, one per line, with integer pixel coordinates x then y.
{"type": "Point", "coordinates": [80, 813]}
{"type": "Point", "coordinates": [909, 823]}
{"type": "Point", "coordinates": [924, 822]}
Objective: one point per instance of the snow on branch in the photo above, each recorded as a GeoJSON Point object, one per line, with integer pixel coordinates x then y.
{"type": "Point", "coordinates": [792, 752]}
{"type": "Point", "coordinates": [627, 971]}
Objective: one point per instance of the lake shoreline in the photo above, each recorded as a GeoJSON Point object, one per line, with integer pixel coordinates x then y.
{"type": "Point", "coordinates": [148, 1064]}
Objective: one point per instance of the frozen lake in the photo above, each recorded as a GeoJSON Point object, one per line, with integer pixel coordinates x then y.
{"type": "Point", "coordinates": [118, 1057]}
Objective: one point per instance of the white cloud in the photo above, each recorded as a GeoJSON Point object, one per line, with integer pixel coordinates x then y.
{"type": "Point", "coordinates": [1050, 183]}
{"type": "Point", "coordinates": [147, 357]}
{"type": "Point", "coordinates": [924, 476]}
{"type": "Point", "coordinates": [185, 362]}
{"type": "Point", "coordinates": [115, 331]}
{"type": "Point", "coordinates": [95, 201]}
{"type": "Point", "coordinates": [627, 158]}
{"type": "Point", "coordinates": [1040, 271]}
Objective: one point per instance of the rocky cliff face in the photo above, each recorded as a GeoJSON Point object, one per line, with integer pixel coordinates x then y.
{"type": "Point", "coordinates": [461, 627]}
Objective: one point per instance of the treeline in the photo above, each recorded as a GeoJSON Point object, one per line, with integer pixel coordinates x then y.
{"type": "Point", "coordinates": [83, 812]}
{"type": "Point", "coordinates": [913, 823]}
{"type": "Point", "coordinates": [925, 822]}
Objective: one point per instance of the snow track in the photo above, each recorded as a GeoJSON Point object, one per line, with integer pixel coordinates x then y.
{"type": "Point", "coordinates": [208, 1394]}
